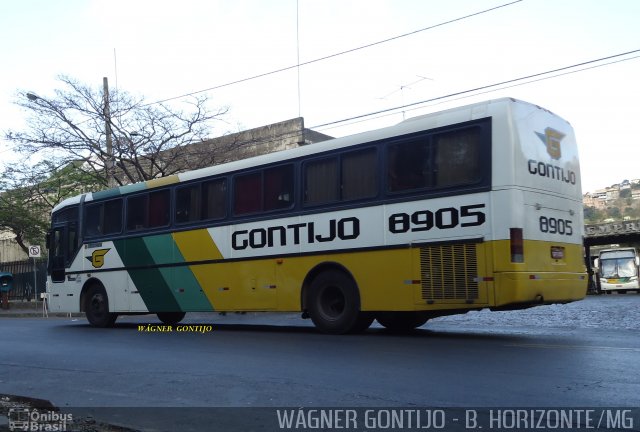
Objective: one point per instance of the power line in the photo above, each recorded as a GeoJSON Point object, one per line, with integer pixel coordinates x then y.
{"type": "Point", "coordinates": [489, 86]}
{"type": "Point", "coordinates": [336, 54]}
{"type": "Point", "coordinates": [387, 114]}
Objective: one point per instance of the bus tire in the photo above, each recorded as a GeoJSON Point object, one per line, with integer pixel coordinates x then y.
{"type": "Point", "coordinates": [96, 307]}
{"type": "Point", "coordinates": [401, 321]}
{"type": "Point", "coordinates": [171, 318]}
{"type": "Point", "coordinates": [334, 304]}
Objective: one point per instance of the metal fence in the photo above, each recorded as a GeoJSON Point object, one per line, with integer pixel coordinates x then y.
{"type": "Point", "coordinates": [24, 273]}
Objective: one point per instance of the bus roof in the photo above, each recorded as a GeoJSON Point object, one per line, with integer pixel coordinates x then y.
{"type": "Point", "coordinates": [411, 125]}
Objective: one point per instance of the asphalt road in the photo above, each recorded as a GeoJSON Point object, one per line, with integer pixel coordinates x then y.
{"type": "Point", "coordinates": [585, 354]}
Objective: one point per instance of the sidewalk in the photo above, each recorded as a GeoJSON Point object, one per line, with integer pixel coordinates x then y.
{"type": "Point", "coordinates": [32, 309]}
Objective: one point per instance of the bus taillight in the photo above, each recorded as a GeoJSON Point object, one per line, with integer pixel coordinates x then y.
{"type": "Point", "coordinates": [517, 245]}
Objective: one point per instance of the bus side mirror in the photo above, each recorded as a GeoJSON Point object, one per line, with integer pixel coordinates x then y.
{"type": "Point", "coordinates": [637, 261]}
{"type": "Point", "coordinates": [596, 263]}
{"type": "Point", "coordinates": [47, 240]}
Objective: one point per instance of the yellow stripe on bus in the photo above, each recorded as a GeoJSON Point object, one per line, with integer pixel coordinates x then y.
{"type": "Point", "coordinates": [162, 181]}
{"type": "Point", "coordinates": [196, 245]}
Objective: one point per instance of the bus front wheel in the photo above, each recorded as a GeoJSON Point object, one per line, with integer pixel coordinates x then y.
{"type": "Point", "coordinates": [401, 321]}
{"type": "Point", "coordinates": [96, 307]}
{"type": "Point", "coordinates": [334, 304]}
{"type": "Point", "coordinates": [170, 318]}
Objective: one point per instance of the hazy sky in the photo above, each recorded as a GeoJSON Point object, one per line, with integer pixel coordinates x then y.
{"type": "Point", "coordinates": [160, 49]}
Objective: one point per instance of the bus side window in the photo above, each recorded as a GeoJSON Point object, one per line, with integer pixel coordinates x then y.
{"type": "Point", "coordinates": [137, 212]}
{"type": "Point", "coordinates": [409, 166]}
{"type": "Point", "coordinates": [321, 179]}
{"type": "Point", "coordinates": [359, 174]}
{"type": "Point", "coordinates": [278, 187]}
{"type": "Point", "coordinates": [159, 205]}
{"type": "Point", "coordinates": [247, 193]}
{"type": "Point", "coordinates": [93, 220]}
{"type": "Point", "coordinates": [457, 157]}
{"type": "Point", "coordinates": [188, 204]}
{"type": "Point", "coordinates": [112, 217]}
{"type": "Point", "coordinates": [214, 199]}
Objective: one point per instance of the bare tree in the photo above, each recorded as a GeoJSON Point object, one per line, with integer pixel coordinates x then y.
{"type": "Point", "coordinates": [148, 140]}
{"type": "Point", "coordinates": [64, 149]}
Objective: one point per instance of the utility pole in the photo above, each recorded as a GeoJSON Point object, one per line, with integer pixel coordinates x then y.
{"type": "Point", "coordinates": [109, 165]}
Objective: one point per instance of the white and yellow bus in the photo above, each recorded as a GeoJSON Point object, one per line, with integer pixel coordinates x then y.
{"type": "Point", "coordinates": [618, 270]}
{"type": "Point", "coordinates": [470, 208]}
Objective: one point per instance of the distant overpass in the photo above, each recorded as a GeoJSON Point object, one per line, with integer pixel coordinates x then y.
{"type": "Point", "coordinates": [621, 232]}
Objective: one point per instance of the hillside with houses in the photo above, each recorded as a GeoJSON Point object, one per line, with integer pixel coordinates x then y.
{"type": "Point", "coordinates": [616, 202]}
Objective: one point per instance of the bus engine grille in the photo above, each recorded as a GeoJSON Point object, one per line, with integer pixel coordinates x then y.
{"type": "Point", "coordinates": [449, 272]}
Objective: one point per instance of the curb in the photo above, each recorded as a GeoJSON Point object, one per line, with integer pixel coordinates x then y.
{"type": "Point", "coordinates": [39, 315]}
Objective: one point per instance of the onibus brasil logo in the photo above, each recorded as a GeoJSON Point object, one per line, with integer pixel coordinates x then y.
{"type": "Point", "coordinates": [30, 419]}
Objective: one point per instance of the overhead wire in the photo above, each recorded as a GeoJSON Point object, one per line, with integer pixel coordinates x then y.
{"type": "Point", "coordinates": [489, 86]}
{"type": "Point", "coordinates": [319, 59]}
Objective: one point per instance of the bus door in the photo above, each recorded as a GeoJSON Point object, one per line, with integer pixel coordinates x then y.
{"type": "Point", "coordinates": [63, 242]}
{"type": "Point", "coordinates": [56, 254]}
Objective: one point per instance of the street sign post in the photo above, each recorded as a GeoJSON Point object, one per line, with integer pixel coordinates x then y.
{"type": "Point", "coordinates": [34, 252]}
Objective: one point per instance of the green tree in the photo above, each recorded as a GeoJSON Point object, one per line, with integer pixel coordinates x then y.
{"type": "Point", "coordinates": [592, 215]}
{"type": "Point", "coordinates": [29, 193]}
{"type": "Point", "coordinates": [614, 213]}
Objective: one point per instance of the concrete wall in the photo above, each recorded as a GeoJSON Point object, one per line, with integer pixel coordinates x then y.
{"type": "Point", "coordinates": [275, 137]}
{"type": "Point", "coordinates": [9, 249]}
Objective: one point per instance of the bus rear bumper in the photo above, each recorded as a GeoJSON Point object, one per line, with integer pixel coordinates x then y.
{"type": "Point", "coordinates": [520, 289]}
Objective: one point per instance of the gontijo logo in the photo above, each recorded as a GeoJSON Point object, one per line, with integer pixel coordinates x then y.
{"type": "Point", "coordinates": [97, 257]}
{"type": "Point", "coordinates": [552, 138]}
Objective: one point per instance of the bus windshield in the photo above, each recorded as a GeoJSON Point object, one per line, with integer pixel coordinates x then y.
{"type": "Point", "coordinates": [618, 268]}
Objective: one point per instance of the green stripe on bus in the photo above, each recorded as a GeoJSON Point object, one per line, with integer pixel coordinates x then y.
{"type": "Point", "coordinates": [136, 187]}
{"type": "Point", "coordinates": [149, 282]}
{"type": "Point", "coordinates": [183, 285]}
{"type": "Point", "coordinates": [109, 193]}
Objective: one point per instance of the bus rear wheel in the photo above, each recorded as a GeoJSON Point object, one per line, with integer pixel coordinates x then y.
{"type": "Point", "coordinates": [334, 304]}
{"type": "Point", "coordinates": [170, 318]}
{"type": "Point", "coordinates": [401, 321]}
{"type": "Point", "coordinates": [96, 307]}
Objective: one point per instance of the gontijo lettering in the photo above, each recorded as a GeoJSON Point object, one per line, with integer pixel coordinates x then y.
{"type": "Point", "coordinates": [551, 171]}
{"type": "Point", "coordinates": [342, 229]}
